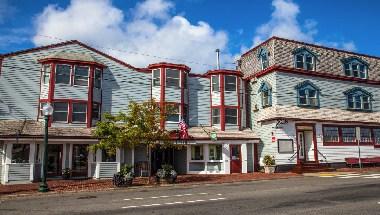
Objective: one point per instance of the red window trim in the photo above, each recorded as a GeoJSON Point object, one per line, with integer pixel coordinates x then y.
{"type": "Point", "coordinates": [341, 143]}
{"type": "Point", "coordinates": [70, 103]}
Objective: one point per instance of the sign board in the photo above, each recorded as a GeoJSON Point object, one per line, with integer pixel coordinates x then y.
{"type": "Point", "coordinates": [213, 136]}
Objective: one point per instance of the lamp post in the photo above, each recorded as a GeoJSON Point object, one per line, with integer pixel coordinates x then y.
{"type": "Point", "coordinates": [47, 111]}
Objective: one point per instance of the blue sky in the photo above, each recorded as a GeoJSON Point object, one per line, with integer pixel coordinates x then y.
{"type": "Point", "coordinates": [188, 31]}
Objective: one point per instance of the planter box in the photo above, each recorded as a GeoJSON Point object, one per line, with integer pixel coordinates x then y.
{"type": "Point", "coordinates": [269, 169]}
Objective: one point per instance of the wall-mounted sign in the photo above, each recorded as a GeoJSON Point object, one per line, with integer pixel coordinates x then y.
{"type": "Point", "coordinates": [213, 136]}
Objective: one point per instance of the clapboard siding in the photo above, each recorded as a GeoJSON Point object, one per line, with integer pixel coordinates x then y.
{"type": "Point", "coordinates": [19, 172]}
{"type": "Point", "coordinates": [172, 94]}
{"type": "Point", "coordinates": [230, 98]}
{"type": "Point", "coordinates": [107, 169]}
{"type": "Point", "coordinates": [215, 98]}
{"type": "Point", "coordinates": [2, 152]}
{"type": "Point", "coordinates": [199, 101]}
{"type": "Point", "coordinates": [66, 91]}
{"type": "Point", "coordinates": [156, 93]}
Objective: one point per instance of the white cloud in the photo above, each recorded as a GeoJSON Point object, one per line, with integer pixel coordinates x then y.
{"type": "Point", "coordinates": [152, 30]}
{"type": "Point", "coordinates": [284, 23]}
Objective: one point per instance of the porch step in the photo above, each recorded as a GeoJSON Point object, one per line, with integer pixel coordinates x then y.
{"type": "Point", "coordinates": [310, 167]}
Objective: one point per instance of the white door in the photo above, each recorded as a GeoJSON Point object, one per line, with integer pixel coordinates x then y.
{"type": "Point", "coordinates": [301, 145]}
{"type": "Point", "coordinates": [308, 139]}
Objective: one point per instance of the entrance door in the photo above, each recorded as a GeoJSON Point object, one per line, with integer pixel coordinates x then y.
{"type": "Point", "coordinates": [80, 162]}
{"type": "Point", "coordinates": [308, 139]}
{"type": "Point", "coordinates": [301, 145]}
{"type": "Point", "coordinates": [54, 160]}
{"type": "Point", "coordinates": [235, 152]}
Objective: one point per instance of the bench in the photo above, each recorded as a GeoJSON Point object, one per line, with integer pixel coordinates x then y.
{"type": "Point", "coordinates": [355, 161]}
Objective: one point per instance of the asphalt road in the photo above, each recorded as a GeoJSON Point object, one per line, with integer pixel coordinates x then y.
{"type": "Point", "coordinates": [305, 195]}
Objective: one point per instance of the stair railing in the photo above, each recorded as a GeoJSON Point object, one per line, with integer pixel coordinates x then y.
{"type": "Point", "coordinates": [324, 157]}
{"type": "Point", "coordinates": [292, 157]}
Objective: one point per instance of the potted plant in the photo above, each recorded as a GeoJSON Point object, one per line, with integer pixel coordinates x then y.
{"type": "Point", "coordinates": [269, 164]}
{"type": "Point", "coordinates": [124, 177]}
{"type": "Point", "coordinates": [66, 173]}
{"type": "Point", "coordinates": [166, 173]}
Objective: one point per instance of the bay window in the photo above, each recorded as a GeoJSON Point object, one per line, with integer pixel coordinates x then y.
{"type": "Point", "coordinates": [81, 75]}
{"type": "Point", "coordinates": [156, 77]}
{"type": "Point", "coordinates": [46, 73]}
{"type": "Point", "coordinates": [215, 152]}
{"type": "Point", "coordinates": [60, 112]}
{"type": "Point", "coordinates": [215, 83]}
{"type": "Point", "coordinates": [174, 113]}
{"type": "Point", "coordinates": [230, 83]}
{"type": "Point", "coordinates": [197, 152]}
{"type": "Point", "coordinates": [20, 153]}
{"type": "Point", "coordinates": [98, 78]}
{"type": "Point", "coordinates": [231, 116]}
{"type": "Point", "coordinates": [62, 74]}
{"type": "Point", "coordinates": [79, 112]}
{"type": "Point", "coordinates": [215, 115]}
{"type": "Point", "coordinates": [95, 111]}
{"type": "Point", "coordinates": [172, 78]}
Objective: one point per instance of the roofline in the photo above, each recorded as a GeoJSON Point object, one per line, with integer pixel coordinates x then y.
{"type": "Point", "coordinates": [309, 44]}
{"type": "Point", "coordinates": [69, 42]}
{"type": "Point", "coordinates": [321, 120]}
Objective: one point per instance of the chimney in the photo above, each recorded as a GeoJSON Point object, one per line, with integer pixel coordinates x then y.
{"type": "Point", "coordinates": [217, 59]}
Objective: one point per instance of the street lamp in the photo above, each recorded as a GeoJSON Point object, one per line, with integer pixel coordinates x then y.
{"type": "Point", "coordinates": [47, 111]}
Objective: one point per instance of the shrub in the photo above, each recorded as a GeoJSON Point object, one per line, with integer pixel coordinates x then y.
{"type": "Point", "coordinates": [127, 171]}
{"type": "Point", "coordinates": [269, 160]}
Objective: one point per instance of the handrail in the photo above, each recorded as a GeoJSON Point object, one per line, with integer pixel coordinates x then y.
{"type": "Point", "coordinates": [322, 155]}
{"type": "Point", "coordinates": [292, 157]}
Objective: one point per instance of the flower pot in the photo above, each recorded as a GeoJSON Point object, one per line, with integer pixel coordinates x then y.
{"type": "Point", "coordinates": [269, 169]}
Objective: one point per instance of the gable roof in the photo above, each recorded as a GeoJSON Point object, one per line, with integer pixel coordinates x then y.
{"type": "Point", "coordinates": [70, 42]}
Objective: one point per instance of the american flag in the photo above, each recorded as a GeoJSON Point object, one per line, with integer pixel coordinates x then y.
{"type": "Point", "coordinates": [183, 134]}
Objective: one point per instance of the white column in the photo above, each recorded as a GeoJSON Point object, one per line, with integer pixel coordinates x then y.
{"type": "Point", "coordinates": [205, 157]}
{"type": "Point", "coordinates": [188, 158]}
{"type": "Point", "coordinates": [226, 158]}
{"type": "Point", "coordinates": [32, 154]}
{"type": "Point", "coordinates": [244, 158]}
{"type": "Point", "coordinates": [133, 156]}
{"type": "Point", "coordinates": [71, 146]}
{"type": "Point", "coordinates": [118, 158]}
{"type": "Point", "coordinates": [90, 159]}
{"type": "Point", "coordinates": [98, 160]}
{"type": "Point", "coordinates": [8, 160]}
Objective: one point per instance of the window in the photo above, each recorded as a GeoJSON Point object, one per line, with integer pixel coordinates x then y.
{"type": "Point", "coordinates": [349, 134]}
{"type": "Point", "coordinates": [62, 74]}
{"type": "Point", "coordinates": [215, 83]}
{"type": "Point", "coordinates": [185, 114]}
{"type": "Point", "coordinates": [106, 157]}
{"type": "Point", "coordinates": [172, 78]}
{"type": "Point", "coordinates": [197, 152]}
{"type": "Point", "coordinates": [98, 78]}
{"type": "Point", "coordinates": [42, 104]}
{"type": "Point", "coordinates": [304, 59]}
{"type": "Point", "coordinates": [263, 55]}
{"type": "Point", "coordinates": [95, 111]}
{"type": "Point", "coordinates": [365, 135]}
{"type": "Point", "coordinates": [156, 77]}
{"type": "Point", "coordinates": [215, 116]}
{"type": "Point", "coordinates": [307, 94]}
{"type": "Point", "coordinates": [215, 152]}
{"type": "Point", "coordinates": [231, 116]}
{"type": "Point", "coordinates": [266, 94]}
{"type": "Point", "coordinates": [376, 135]}
{"type": "Point", "coordinates": [20, 153]}
{"type": "Point", "coordinates": [79, 112]}
{"type": "Point", "coordinates": [358, 99]}
{"type": "Point", "coordinates": [355, 67]}
{"type": "Point", "coordinates": [174, 113]}
{"type": "Point", "coordinates": [60, 112]}
{"type": "Point", "coordinates": [285, 146]}
{"type": "Point", "coordinates": [46, 73]}
{"type": "Point", "coordinates": [230, 83]}
{"type": "Point", "coordinates": [331, 134]}
{"type": "Point", "coordinates": [185, 80]}
{"type": "Point", "coordinates": [81, 75]}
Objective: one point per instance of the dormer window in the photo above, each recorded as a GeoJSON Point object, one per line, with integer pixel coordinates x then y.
{"type": "Point", "coordinates": [304, 59]}
{"type": "Point", "coordinates": [263, 55]}
{"type": "Point", "coordinates": [307, 94]}
{"type": "Point", "coordinates": [62, 74]}
{"type": "Point", "coordinates": [358, 99]}
{"type": "Point", "coordinates": [355, 67]}
{"type": "Point", "coordinates": [81, 75]}
{"type": "Point", "coordinates": [266, 94]}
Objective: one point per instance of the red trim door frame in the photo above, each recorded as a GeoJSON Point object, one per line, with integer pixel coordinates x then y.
{"type": "Point", "coordinates": [235, 158]}
{"type": "Point", "coordinates": [315, 144]}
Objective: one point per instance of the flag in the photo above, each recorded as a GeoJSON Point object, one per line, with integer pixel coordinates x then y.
{"type": "Point", "coordinates": [183, 133]}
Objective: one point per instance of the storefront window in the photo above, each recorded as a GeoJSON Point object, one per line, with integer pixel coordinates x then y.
{"type": "Point", "coordinates": [197, 152]}
{"type": "Point", "coordinates": [330, 134]}
{"type": "Point", "coordinates": [365, 135]}
{"type": "Point", "coordinates": [348, 135]}
{"type": "Point", "coordinates": [215, 152]}
{"type": "Point", "coordinates": [20, 153]}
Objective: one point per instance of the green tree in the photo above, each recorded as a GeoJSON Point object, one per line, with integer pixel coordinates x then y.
{"type": "Point", "coordinates": [139, 126]}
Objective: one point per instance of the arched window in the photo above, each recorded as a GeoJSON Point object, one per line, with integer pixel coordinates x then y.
{"type": "Point", "coordinates": [263, 55]}
{"type": "Point", "coordinates": [307, 94]}
{"type": "Point", "coordinates": [304, 59]}
{"type": "Point", "coordinates": [266, 94]}
{"type": "Point", "coordinates": [355, 67]}
{"type": "Point", "coordinates": [358, 99]}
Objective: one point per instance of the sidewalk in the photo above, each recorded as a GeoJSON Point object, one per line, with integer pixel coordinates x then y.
{"type": "Point", "coordinates": [61, 186]}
